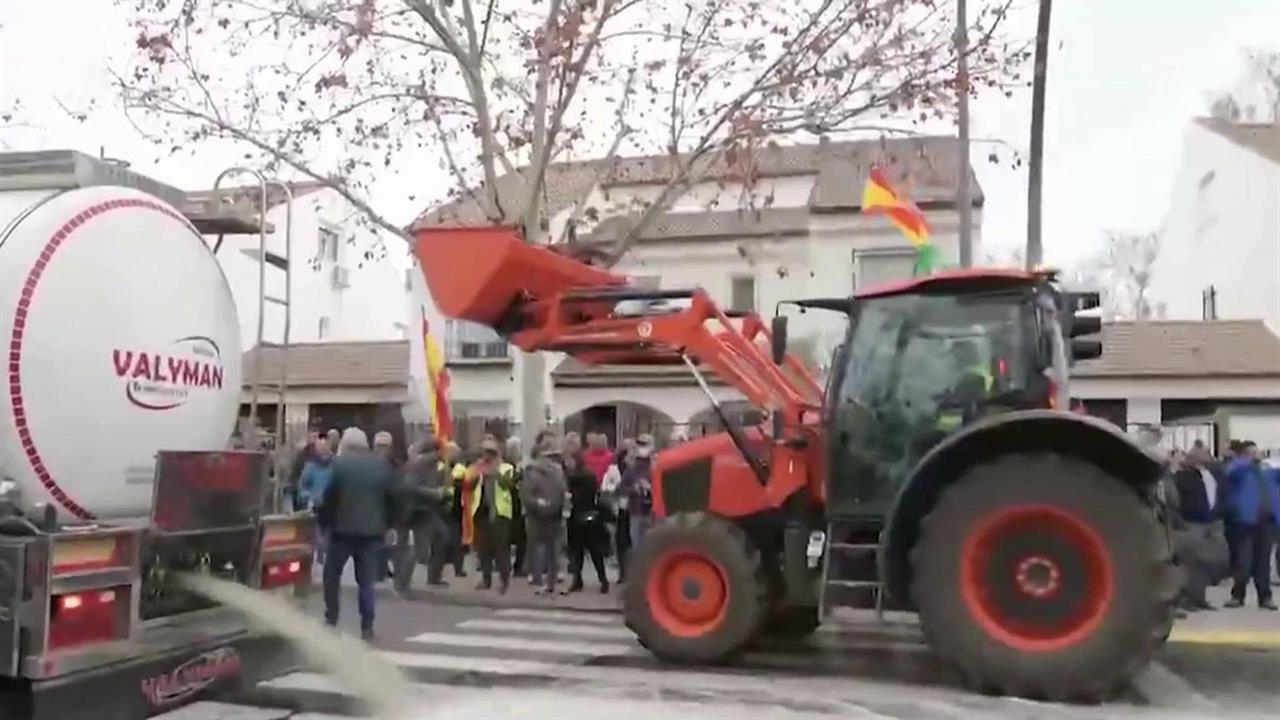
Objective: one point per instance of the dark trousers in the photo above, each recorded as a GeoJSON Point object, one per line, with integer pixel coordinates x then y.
{"type": "Point", "coordinates": [544, 548]}
{"type": "Point", "coordinates": [579, 548]}
{"type": "Point", "coordinates": [424, 540]}
{"type": "Point", "coordinates": [519, 535]}
{"type": "Point", "coordinates": [493, 543]}
{"type": "Point", "coordinates": [1253, 559]}
{"type": "Point", "coordinates": [622, 542]}
{"type": "Point", "coordinates": [366, 552]}
{"type": "Point", "coordinates": [458, 550]}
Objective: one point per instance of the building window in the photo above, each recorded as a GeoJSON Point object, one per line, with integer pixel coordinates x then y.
{"type": "Point", "coordinates": [874, 267]}
{"type": "Point", "coordinates": [742, 294]}
{"type": "Point", "coordinates": [469, 341]}
{"type": "Point", "coordinates": [1209, 303]}
{"type": "Point", "coordinates": [324, 329]}
{"type": "Point", "coordinates": [328, 242]}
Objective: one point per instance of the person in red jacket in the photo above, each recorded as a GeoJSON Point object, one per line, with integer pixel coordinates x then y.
{"type": "Point", "coordinates": [598, 456]}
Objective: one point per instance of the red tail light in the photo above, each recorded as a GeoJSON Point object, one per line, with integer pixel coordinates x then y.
{"type": "Point", "coordinates": [289, 571]}
{"type": "Point", "coordinates": [83, 617]}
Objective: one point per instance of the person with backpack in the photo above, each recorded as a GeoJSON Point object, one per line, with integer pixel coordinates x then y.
{"type": "Point", "coordinates": [588, 524]}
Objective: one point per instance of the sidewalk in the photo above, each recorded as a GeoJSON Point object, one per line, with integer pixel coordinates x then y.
{"type": "Point", "coordinates": [1241, 627]}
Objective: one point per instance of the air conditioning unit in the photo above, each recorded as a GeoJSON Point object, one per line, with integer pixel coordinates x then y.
{"type": "Point", "coordinates": [341, 278]}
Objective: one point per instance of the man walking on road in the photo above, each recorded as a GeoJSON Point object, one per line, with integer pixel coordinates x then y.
{"type": "Point", "coordinates": [427, 490]}
{"type": "Point", "coordinates": [357, 508]}
{"type": "Point", "coordinates": [543, 492]}
{"type": "Point", "coordinates": [1254, 500]}
{"type": "Point", "coordinates": [488, 486]}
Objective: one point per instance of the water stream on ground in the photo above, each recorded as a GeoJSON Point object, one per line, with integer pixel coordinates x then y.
{"type": "Point", "coordinates": [378, 684]}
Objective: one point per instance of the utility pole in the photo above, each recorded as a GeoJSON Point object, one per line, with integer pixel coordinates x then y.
{"type": "Point", "coordinates": [963, 201]}
{"type": "Point", "coordinates": [1035, 163]}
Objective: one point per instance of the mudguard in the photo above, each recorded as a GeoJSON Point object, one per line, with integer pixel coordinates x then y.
{"type": "Point", "coordinates": [1025, 431]}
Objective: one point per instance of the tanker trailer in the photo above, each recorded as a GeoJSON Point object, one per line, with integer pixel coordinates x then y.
{"type": "Point", "coordinates": [119, 392]}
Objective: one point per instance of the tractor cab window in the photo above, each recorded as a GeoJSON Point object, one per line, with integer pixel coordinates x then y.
{"type": "Point", "coordinates": [918, 367]}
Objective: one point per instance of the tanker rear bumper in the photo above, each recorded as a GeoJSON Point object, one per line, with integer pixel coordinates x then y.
{"type": "Point", "coordinates": [153, 675]}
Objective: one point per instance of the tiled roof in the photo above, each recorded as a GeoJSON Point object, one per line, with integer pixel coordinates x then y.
{"type": "Point", "coordinates": [925, 168]}
{"type": "Point", "coordinates": [360, 364]}
{"type": "Point", "coordinates": [724, 223]}
{"type": "Point", "coordinates": [1262, 138]}
{"type": "Point", "coordinates": [1185, 348]}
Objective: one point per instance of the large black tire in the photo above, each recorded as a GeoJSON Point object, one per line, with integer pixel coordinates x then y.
{"type": "Point", "coordinates": [695, 589]}
{"type": "Point", "coordinates": [791, 623]}
{"type": "Point", "coordinates": [1041, 576]}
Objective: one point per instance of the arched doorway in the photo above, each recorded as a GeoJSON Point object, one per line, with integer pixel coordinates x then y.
{"type": "Point", "coordinates": [622, 419]}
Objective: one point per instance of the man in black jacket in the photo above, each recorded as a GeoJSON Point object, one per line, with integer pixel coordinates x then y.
{"type": "Point", "coordinates": [425, 493]}
{"type": "Point", "coordinates": [1198, 534]}
{"type": "Point", "coordinates": [357, 511]}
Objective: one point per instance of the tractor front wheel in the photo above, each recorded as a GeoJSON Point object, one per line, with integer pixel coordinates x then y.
{"type": "Point", "coordinates": [695, 592]}
{"type": "Point", "coordinates": [1043, 576]}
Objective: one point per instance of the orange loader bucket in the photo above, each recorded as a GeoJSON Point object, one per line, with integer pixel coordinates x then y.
{"type": "Point", "coordinates": [477, 273]}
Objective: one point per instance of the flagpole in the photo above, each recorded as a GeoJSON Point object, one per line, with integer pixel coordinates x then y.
{"type": "Point", "coordinates": [963, 201]}
{"type": "Point", "coordinates": [1035, 162]}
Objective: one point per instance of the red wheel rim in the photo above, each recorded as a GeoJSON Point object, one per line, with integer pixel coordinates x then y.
{"type": "Point", "coordinates": [687, 593]}
{"type": "Point", "coordinates": [1036, 577]}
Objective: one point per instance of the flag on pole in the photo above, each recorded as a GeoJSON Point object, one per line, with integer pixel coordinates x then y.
{"type": "Point", "coordinates": [878, 197]}
{"type": "Point", "coordinates": [438, 377]}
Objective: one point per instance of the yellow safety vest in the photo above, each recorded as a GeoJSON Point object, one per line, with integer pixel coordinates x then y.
{"type": "Point", "coordinates": [951, 420]}
{"type": "Point", "coordinates": [501, 495]}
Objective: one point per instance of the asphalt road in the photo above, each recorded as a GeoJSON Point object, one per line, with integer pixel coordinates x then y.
{"type": "Point", "coordinates": [518, 663]}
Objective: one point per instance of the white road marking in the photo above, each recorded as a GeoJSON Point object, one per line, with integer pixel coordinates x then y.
{"type": "Point", "coordinates": [549, 628]}
{"type": "Point", "coordinates": [507, 642]}
{"type": "Point", "coordinates": [600, 618]}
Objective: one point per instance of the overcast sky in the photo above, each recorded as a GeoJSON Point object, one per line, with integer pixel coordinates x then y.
{"type": "Point", "coordinates": [1125, 76]}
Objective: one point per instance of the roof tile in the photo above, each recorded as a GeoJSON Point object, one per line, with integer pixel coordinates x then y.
{"type": "Point", "coordinates": [1185, 348]}
{"type": "Point", "coordinates": [360, 364]}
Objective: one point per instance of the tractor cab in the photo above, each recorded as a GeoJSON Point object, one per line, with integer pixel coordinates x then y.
{"type": "Point", "coordinates": [922, 359]}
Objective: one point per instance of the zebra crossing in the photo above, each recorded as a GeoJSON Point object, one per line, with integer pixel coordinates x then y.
{"type": "Point", "coordinates": [536, 663]}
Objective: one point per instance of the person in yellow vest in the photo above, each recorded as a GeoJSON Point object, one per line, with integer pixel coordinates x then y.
{"type": "Point", "coordinates": [973, 385]}
{"type": "Point", "coordinates": [488, 485]}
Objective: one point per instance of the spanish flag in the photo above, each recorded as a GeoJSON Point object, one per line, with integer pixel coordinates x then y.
{"type": "Point", "coordinates": [438, 376]}
{"type": "Point", "coordinates": [879, 197]}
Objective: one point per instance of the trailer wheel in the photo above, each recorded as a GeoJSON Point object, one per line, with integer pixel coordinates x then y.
{"type": "Point", "coordinates": [1042, 576]}
{"type": "Point", "coordinates": [696, 593]}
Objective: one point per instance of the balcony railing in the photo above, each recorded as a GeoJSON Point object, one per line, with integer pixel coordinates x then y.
{"type": "Point", "coordinates": [468, 341]}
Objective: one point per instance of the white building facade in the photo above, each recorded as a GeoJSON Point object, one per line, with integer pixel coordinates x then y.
{"type": "Point", "coordinates": [796, 232]}
{"type": "Point", "coordinates": [1220, 241]}
{"type": "Point", "coordinates": [337, 292]}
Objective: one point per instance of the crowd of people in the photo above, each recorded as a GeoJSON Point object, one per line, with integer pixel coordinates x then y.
{"type": "Point", "coordinates": [388, 515]}
{"type": "Point", "coordinates": [1224, 517]}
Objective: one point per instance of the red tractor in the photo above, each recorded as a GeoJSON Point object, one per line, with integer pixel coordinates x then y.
{"type": "Point", "coordinates": [940, 471]}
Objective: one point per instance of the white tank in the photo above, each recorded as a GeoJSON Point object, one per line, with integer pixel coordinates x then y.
{"type": "Point", "coordinates": [118, 338]}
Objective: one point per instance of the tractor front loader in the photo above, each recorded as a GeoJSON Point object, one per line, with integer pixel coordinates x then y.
{"type": "Point", "coordinates": [939, 472]}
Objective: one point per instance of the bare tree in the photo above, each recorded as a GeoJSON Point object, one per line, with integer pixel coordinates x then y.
{"type": "Point", "coordinates": [1256, 97]}
{"type": "Point", "coordinates": [493, 93]}
{"type": "Point", "coordinates": [1122, 272]}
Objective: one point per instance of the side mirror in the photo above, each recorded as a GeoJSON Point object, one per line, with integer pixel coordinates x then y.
{"type": "Point", "coordinates": [778, 344]}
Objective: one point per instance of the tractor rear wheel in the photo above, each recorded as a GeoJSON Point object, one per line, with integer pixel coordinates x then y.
{"type": "Point", "coordinates": [1042, 576]}
{"type": "Point", "coordinates": [695, 590]}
